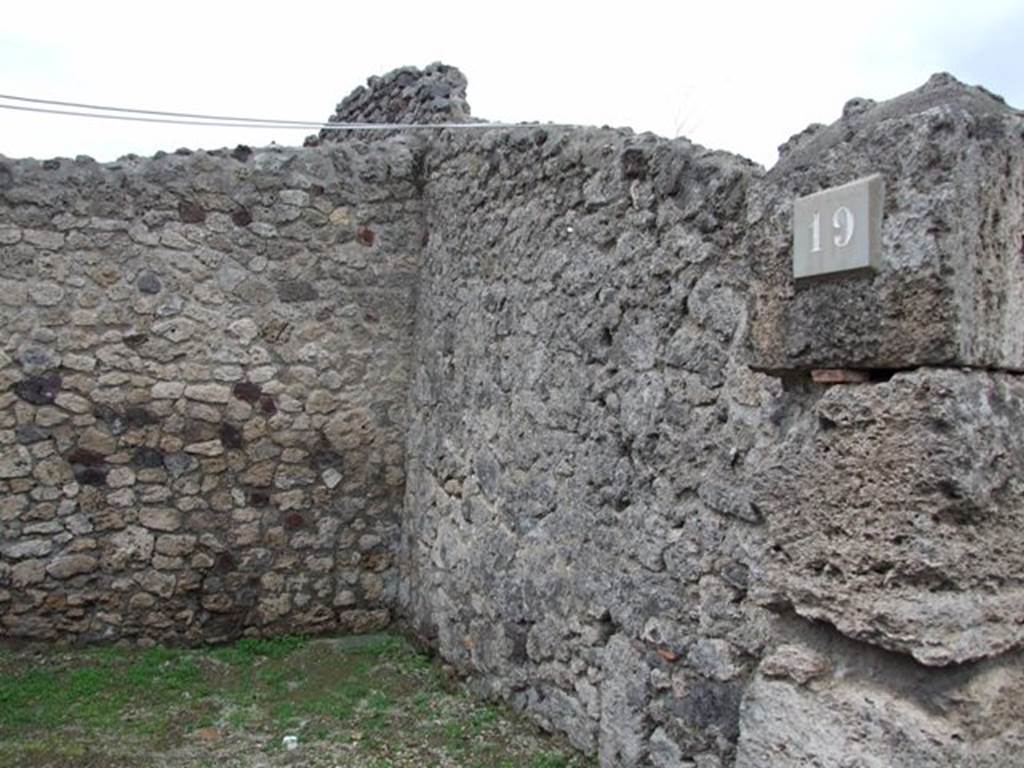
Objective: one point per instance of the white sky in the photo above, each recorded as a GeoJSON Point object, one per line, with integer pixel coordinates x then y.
{"type": "Point", "coordinates": [727, 74]}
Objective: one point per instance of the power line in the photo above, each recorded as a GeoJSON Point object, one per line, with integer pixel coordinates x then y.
{"type": "Point", "coordinates": [283, 125]}
{"type": "Point", "coordinates": [78, 105]}
{"type": "Point", "coordinates": [223, 121]}
{"type": "Point", "coordinates": [136, 119]}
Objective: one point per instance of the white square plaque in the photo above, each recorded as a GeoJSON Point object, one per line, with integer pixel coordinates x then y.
{"type": "Point", "coordinates": [839, 229]}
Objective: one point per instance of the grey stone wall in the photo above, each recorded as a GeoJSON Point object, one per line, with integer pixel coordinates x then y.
{"type": "Point", "coordinates": [630, 509]}
{"type": "Point", "coordinates": [202, 391]}
{"type": "Point", "coordinates": [548, 396]}
{"type": "Point", "coordinates": [434, 94]}
{"type": "Point", "coordinates": [892, 540]}
{"type": "Point", "coordinates": [575, 532]}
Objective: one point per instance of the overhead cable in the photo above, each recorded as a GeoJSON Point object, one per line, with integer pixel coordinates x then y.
{"type": "Point", "coordinates": [222, 121]}
{"type": "Point", "coordinates": [97, 107]}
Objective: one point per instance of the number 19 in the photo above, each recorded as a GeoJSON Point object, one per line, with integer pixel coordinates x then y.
{"type": "Point", "coordinates": [842, 223]}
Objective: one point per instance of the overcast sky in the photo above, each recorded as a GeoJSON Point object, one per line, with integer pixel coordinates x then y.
{"type": "Point", "coordinates": [729, 75]}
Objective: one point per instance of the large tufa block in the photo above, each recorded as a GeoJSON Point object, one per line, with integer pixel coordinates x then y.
{"type": "Point", "coordinates": [949, 285]}
{"type": "Point", "coordinates": [822, 700]}
{"type": "Point", "coordinates": [895, 512]}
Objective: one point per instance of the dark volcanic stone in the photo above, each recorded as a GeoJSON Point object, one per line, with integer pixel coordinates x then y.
{"type": "Point", "coordinates": [325, 459]}
{"type": "Point", "coordinates": [110, 417]}
{"type": "Point", "coordinates": [247, 391]}
{"type": "Point", "coordinates": [736, 575]}
{"type": "Point", "coordinates": [198, 432]}
{"type": "Point", "coordinates": [148, 458]}
{"type": "Point", "coordinates": [230, 436]}
{"type": "Point", "coordinates": [634, 163]}
{"type": "Point", "coordinates": [85, 457]}
{"type": "Point", "coordinates": [180, 463]}
{"type": "Point", "coordinates": [148, 282]}
{"type": "Point", "coordinates": [365, 236]}
{"type": "Point", "coordinates": [241, 217]}
{"type": "Point", "coordinates": [435, 94]}
{"type": "Point", "coordinates": [267, 405]}
{"type": "Point", "coordinates": [39, 390]}
{"type": "Point", "coordinates": [28, 434]}
{"type": "Point", "coordinates": [291, 291]}
{"type": "Point", "coordinates": [711, 706]}
{"type": "Point", "coordinates": [91, 475]}
{"type": "Point", "coordinates": [137, 416]}
{"type": "Point", "coordinates": [190, 212]}
{"type": "Point", "coordinates": [259, 498]}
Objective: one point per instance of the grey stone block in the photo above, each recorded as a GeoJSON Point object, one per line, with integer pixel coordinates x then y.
{"type": "Point", "coordinates": [950, 286]}
{"type": "Point", "coordinates": [895, 512]}
{"type": "Point", "coordinates": [878, 709]}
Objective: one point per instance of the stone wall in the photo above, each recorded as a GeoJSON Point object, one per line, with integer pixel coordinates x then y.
{"type": "Point", "coordinates": [632, 511]}
{"type": "Point", "coordinates": [435, 94]}
{"type": "Point", "coordinates": [202, 391]}
{"type": "Point", "coordinates": [631, 507]}
{"type": "Point", "coordinates": [892, 533]}
{"type": "Point", "coordinates": [574, 532]}
{"type": "Point", "coordinates": [951, 287]}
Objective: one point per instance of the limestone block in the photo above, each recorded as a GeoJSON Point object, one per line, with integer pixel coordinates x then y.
{"type": "Point", "coordinates": [46, 294]}
{"type": "Point", "coordinates": [28, 572]}
{"type": "Point", "coordinates": [623, 691]}
{"type": "Point", "coordinates": [141, 601]}
{"type": "Point", "coordinates": [11, 507]}
{"type": "Point", "coordinates": [81, 363]}
{"type": "Point", "coordinates": [175, 330]}
{"type": "Point", "coordinates": [132, 545]}
{"type": "Point", "coordinates": [71, 565]}
{"type": "Point", "coordinates": [160, 519]}
{"type": "Point", "coordinates": [176, 545]}
{"type": "Point", "coordinates": [97, 441]}
{"type": "Point", "coordinates": [50, 417]}
{"type": "Point", "coordinates": [120, 477]}
{"type": "Point", "coordinates": [50, 241]}
{"type": "Point", "coordinates": [320, 401]}
{"type": "Point", "coordinates": [950, 288]}
{"type": "Point", "coordinates": [53, 471]}
{"type": "Point", "coordinates": [160, 584]}
{"type": "Point", "coordinates": [15, 462]}
{"type": "Point", "coordinates": [73, 402]}
{"type": "Point", "coordinates": [167, 390]}
{"type": "Point", "coordinates": [208, 393]}
{"type": "Point", "coordinates": [24, 548]}
{"type": "Point", "coordinates": [207, 448]}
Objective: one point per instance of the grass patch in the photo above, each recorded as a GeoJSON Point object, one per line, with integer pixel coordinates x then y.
{"type": "Point", "coordinates": [249, 649]}
{"type": "Point", "coordinates": [361, 702]}
{"type": "Point", "coordinates": [98, 693]}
